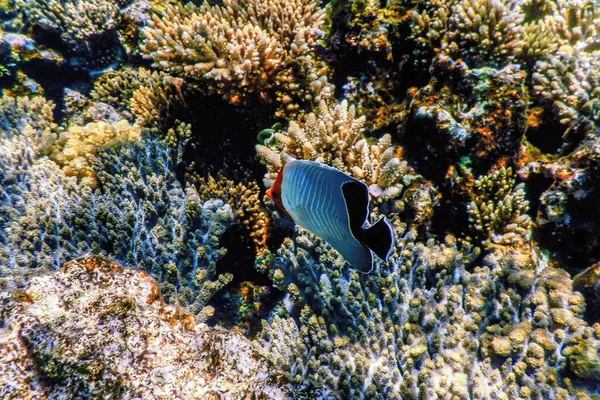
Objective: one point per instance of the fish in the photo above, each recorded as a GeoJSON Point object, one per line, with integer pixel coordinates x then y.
{"type": "Point", "coordinates": [334, 206]}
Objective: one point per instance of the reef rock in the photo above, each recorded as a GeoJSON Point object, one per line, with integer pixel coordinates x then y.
{"type": "Point", "coordinates": [96, 329]}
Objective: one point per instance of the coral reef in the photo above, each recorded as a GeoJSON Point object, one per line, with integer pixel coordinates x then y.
{"type": "Point", "coordinates": [474, 124]}
{"type": "Point", "coordinates": [498, 209]}
{"type": "Point", "coordinates": [87, 30]}
{"type": "Point", "coordinates": [244, 200]}
{"type": "Point", "coordinates": [569, 80]}
{"type": "Point", "coordinates": [479, 31]}
{"type": "Point", "coordinates": [140, 215]}
{"type": "Point", "coordinates": [476, 114]}
{"type": "Point", "coordinates": [97, 329]}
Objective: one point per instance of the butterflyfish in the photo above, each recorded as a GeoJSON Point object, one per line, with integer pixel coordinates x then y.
{"type": "Point", "coordinates": [334, 206]}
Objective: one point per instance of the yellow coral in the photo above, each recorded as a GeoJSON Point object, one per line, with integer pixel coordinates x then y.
{"type": "Point", "coordinates": [76, 147]}
{"type": "Point", "coordinates": [244, 199]}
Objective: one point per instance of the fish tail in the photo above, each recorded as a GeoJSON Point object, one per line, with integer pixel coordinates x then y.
{"type": "Point", "coordinates": [379, 237]}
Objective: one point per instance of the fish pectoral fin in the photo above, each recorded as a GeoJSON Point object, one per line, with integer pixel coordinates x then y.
{"type": "Point", "coordinates": [379, 238]}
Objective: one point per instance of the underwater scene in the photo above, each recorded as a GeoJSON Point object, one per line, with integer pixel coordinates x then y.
{"type": "Point", "coordinates": [300, 199]}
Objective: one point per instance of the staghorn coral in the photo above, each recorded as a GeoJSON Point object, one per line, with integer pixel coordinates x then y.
{"type": "Point", "coordinates": [76, 147]}
{"type": "Point", "coordinates": [171, 233]}
{"type": "Point", "coordinates": [240, 47]}
{"type": "Point", "coordinates": [539, 40]}
{"type": "Point", "coordinates": [95, 328]}
{"type": "Point", "coordinates": [498, 209]}
{"type": "Point", "coordinates": [484, 30]}
{"type": "Point", "coordinates": [333, 134]}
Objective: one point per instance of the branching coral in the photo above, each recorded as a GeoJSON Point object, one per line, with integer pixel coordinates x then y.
{"type": "Point", "coordinates": [570, 81]}
{"type": "Point", "coordinates": [116, 88]}
{"type": "Point", "coordinates": [76, 147]}
{"type": "Point", "coordinates": [87, 29]}
{"type": "Point", "coordinates": [333, 134]}
{"type": "Point", "coordinates": [140, 215]}
{"type": "Point", "coordinates": [480, 31]}
{"type": "Point", "coordinates": [29, 119]}
{"type": "Point", "coordinates": [239, 47]}
{"type": "Point", "coordinates": [73, 20]}
{"type": "Point", "coordinates": [498, 209]}
{"type": "Point", "coordinates": [245, 201]}
{"type": "Point", "coordinates": [432, 323]}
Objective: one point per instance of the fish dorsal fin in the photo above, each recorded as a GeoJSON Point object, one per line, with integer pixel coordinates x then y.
{"type": "Point", "coordinates": [379, 238]}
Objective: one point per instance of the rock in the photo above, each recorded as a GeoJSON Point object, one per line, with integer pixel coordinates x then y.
{"type": "Point", "coordinates": [96, 329]}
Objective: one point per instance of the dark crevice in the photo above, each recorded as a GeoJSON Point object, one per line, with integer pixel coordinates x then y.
{"type": "Point", "coordinates": [547, 137]}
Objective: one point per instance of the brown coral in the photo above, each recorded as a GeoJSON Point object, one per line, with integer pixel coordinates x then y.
{"type": "Point", "coordinates": [245, 201]}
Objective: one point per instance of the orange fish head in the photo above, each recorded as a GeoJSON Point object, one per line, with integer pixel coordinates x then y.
{"type": "Point", "coordinates": [274, 193]}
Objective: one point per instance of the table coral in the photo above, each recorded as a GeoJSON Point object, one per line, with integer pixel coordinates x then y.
{"type": "Point", "coordinates": [95, 328]}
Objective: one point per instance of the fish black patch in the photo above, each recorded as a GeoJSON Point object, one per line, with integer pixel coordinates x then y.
{"type": "Point", "coordinates": [379, 238]}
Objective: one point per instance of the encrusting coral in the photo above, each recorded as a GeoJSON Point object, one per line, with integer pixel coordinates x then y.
{"type": "Point", "coordinates": [134, 346]}
{"type": "Point", "coordinates": [240, 47]}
